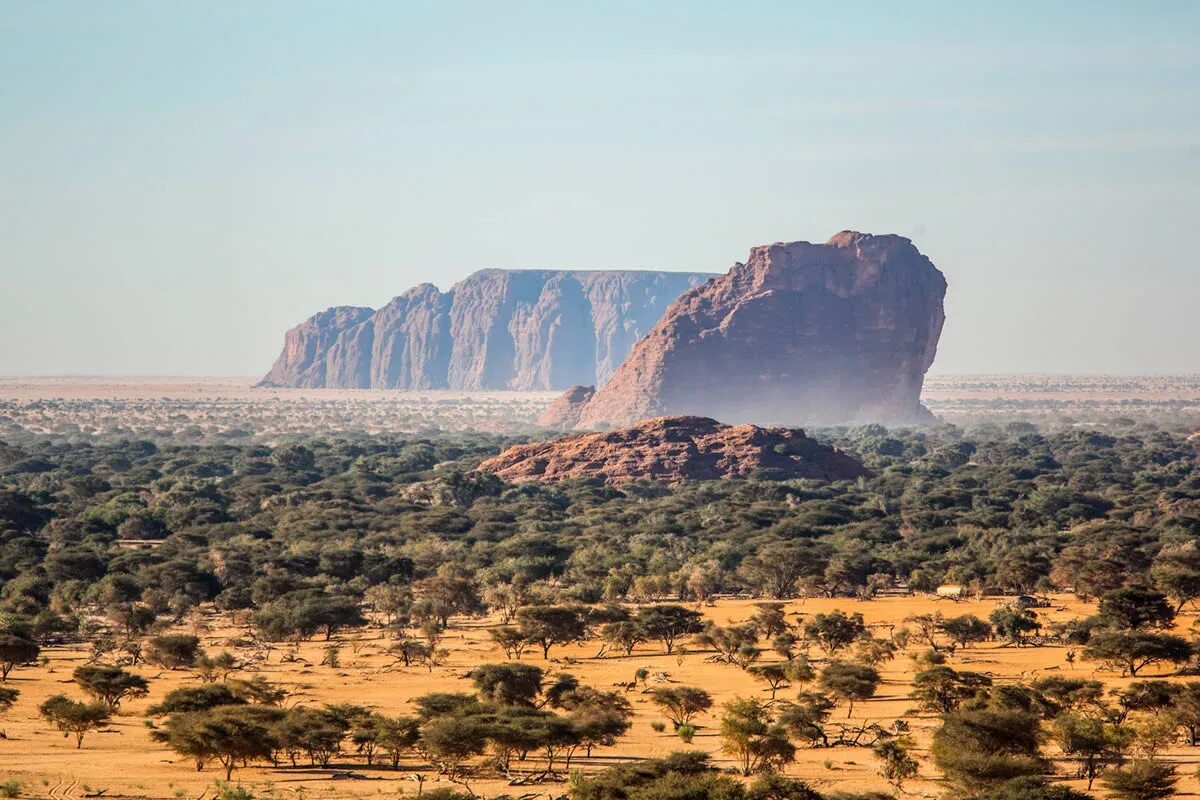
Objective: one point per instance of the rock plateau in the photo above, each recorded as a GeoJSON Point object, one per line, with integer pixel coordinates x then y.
{"type": "Point", "coordinates": [496, 329]}
{"type": "Point", "coordinates": [673, 450]}
{"type": "Point", "coordinates": [800, 334]}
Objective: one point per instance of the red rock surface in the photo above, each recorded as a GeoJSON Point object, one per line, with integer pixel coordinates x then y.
{"type": "Point", "coordinates": [673, 450]}
{"type": "Point", "coordinates": [801, 334]}
{"type": "Point", "coordinates": [563, 413]}
{"type": "Point", "coordinates": [496, 329]}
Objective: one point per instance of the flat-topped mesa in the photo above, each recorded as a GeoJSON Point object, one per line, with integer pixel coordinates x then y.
{"type": "Point", "coordinates": [496, 329]}
{"type": "Point", "coordinates": [673, 450]}
{"type": "Point", "coordinates": [800, 334]}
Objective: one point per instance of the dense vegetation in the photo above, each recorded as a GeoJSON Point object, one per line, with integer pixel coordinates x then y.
{"type": "Point", "coordinates": [1006, 509]}
{"type": "Point", "coordinates": [311, 538]}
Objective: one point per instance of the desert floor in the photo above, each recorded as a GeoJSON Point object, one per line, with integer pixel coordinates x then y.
{"type": "Point", "coordinates": [124, 761]}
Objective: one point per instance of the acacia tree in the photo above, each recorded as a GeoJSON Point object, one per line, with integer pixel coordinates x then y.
{"type": "Point", "coordinates": [110, 685]}
{"type": "Point", "coordinates": [750, 735]}
{"type": "Point", "coordinates": [508, 684]}
{"type": "Point", "coordinates": [668, 623]}
{"type": "Point", "coordinates": [1094, 743]}
{"type": "Point", "coordinates": [600, 718]}
{"type": "Point", "coordinates": [15, 649]}
{"type": "Point", "coordinates": [966, 630]}
{"type": "Point", "coordinates": [230, 735]}
{"type": "Point", "coordinates": [173, 651]}
{"type": "Point", "coordinates": [896, 763]}
{"type": "Point", "coordinates": [74, 718]}
{"type": "Point", "coordinates": [511, 641]}
{"type": "Point", "coordinates": [835, 630]}
{"type": "Point", "coordinates": [547, 626]}
{"type": "Point", "coordinates": [449, 741]}
{"type": "Point", "coordinates": [624, 635]}
{"type": "Point", "coordinates": [941, 689]}
{"type": "Point", "coordinates": [850, 682]}
{"type": "Point", "coordinates": [1131, 651]}
{"type": "Point", "coordinates": [681, 703]}
{"type": "Point", "coordinates": [983, 748]}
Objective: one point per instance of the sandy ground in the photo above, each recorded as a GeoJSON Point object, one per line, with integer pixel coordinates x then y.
{"type": "Point", "coordinates": [124, 761]}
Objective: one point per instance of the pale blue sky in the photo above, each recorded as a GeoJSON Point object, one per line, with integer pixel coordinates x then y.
{"type": "Point", "coordinates": [182, 181]}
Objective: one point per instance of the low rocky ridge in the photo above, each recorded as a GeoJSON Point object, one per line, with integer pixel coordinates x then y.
{"type": "Point", "coordinates": [800, 334]}
{"type": "Point", "coordinates": [495, 330]}
{"type": "Point", "coordinates": [674, 450]}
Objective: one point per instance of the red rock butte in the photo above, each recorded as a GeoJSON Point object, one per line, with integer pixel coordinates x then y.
{"type": "Point", "coordinates": [800, 334]}
{"type": "Point", "coordinates": [674, 450]}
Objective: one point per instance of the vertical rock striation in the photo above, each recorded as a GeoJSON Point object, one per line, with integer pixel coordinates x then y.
{"type": "Point", "coordinates": [496, 329]}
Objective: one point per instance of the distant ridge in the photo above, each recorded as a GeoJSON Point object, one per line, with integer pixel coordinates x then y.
{"type": "Point", "coordinates": [496, 329]}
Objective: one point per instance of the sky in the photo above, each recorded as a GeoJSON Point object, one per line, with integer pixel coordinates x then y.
{"type": "Point", "coordinates": [182, 182]}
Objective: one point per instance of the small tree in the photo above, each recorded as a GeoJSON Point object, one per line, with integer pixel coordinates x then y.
{"type": "Point", "coordinates": [599, 717]}
{"type": "Point", "coordinates": [1131, 651]}
{"type": "Point", "coordinates": [110, 685]}
{"type": "Point", "coordinates": [74, 718]}
{"type": "Point", "coordinates": [395, 736]}
{"type": "Point", "coordinates": [508, 684]}
{"type": "Point", "coordinates": [896, 763]}
{"type": "Point", "coordinates": [1136, 607]}
{"type": "Point", "coordinates": [982, 749]}
{"type": "Point", "coordinates": [966, 630]}
{"type": "Point", "coordinates": [547, 626]}
{"type": "Point", "coordinates": [850, 682]}
{"type": "Point", "coordinates": [1015, 624]}
{"type": "Point", "coordinates": [769, 619]}
{"type": "Point", "coordinates": [624, 635]}
{"type": "Point", "coordinates": [172, 651]}
{"type": "Point", "coordinates": [511, 641]}
{"type": "Point", "coordinates": [1141, 780]}
{"type": "Point", "coordinates": [15, 649]}
{"type": "Point", "coordinates": [668, 623]}
{"type": "Point", "coordinates": [450, 740]}
{"type": "Point", "coordinates": [681, 703]}
{"type": "Point", "coordinates": [1094, 743]}
{"type": "Point", "coordinates": [941, 689]}
{"type": "Point", "coordinates": [752, 738]}
{"type": "Point", "coordinates": [1186, 710]}
{"type": "Point", "coordinates": [231, 735]}
{"type": "Point", "coordinates": [782, 675]}
{"type": "Point", "coordinates": [805, 719]}
{"type": "Point", "coordinates": [835, 630]}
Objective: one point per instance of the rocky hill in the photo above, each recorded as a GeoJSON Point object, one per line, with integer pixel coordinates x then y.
{"type": "Point", "coordinates": [496, 329]}
{"type": "Point", "coordinates": [800, 334]}
{"type": "Point", "coordinates": [673, 450]}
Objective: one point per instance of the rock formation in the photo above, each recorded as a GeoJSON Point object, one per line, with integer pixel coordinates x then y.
{"type": "Point", "coordinates": [673, 450]}
{"type": "Point", "coordinates": [563, 413]}
{"type": "Point", "coordinates": [801, 334]}
{"type": "Point", "coordinates": [496, 329]}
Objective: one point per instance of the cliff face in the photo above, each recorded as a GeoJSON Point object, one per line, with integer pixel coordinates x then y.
{"type": "Point", "coordinates": [496, 329]}
{"type": "Point", "coordinates": [673, 450]}
{"type": "Point", "coordinates": [801, 334]}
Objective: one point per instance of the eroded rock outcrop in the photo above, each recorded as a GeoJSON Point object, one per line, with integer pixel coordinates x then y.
{"type": "Point", "coordinates": [563, 413]}
{"type": "Point", "coordinates": [496, 329]}
{"type": "Point", "coordinates": [800, 334]}
{"type": "Point", "coordinates": [673, 450]}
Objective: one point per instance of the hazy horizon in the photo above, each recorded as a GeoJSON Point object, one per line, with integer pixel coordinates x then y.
{"type": "Point", "coordinates": [180, 184]}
